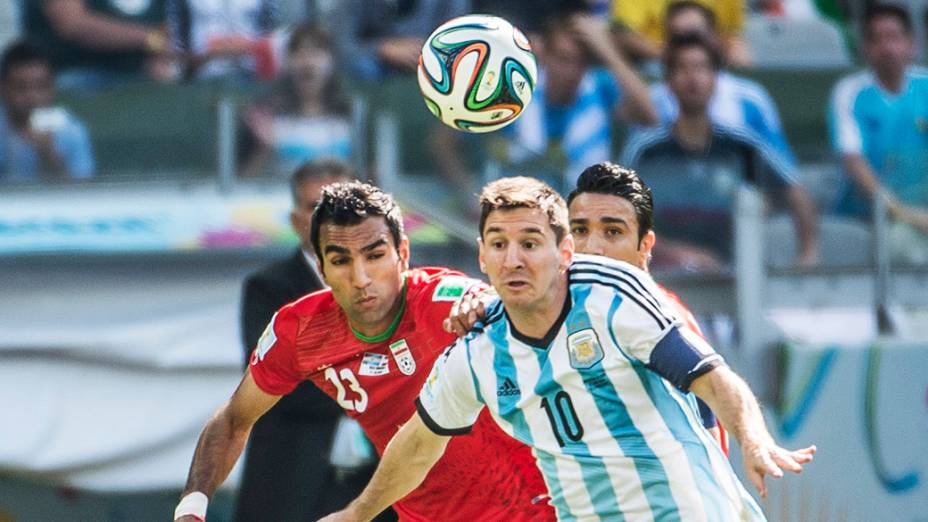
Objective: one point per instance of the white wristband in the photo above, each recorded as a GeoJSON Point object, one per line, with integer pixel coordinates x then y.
{"type": "Point", "coordinates": [193, 504]}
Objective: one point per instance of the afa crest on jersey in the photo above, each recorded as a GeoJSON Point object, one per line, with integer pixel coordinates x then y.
{"type": "Point", "coordinates": [403, 357]}
{"type": "Point", "coordinates": [584, 349]}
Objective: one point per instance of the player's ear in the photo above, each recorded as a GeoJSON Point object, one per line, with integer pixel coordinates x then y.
{"type": "Point", "coordinates": [404, 253]}
{"type": "Point", "coordinates": [480, 256]}
{"type": "Point", "coordinates": [644, 249]}
{"type": "Point", "coordinates": [566, 251]}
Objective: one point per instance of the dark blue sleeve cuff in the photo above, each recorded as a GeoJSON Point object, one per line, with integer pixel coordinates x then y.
{"type": "Point", "coordinates": [677, 360]}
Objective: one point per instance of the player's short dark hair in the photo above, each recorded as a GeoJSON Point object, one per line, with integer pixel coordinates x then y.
{"type": "Point", "coordinates": [350, 203]}
{"type": "Point", "coordinates": [23, 52]}
{"type": "Point", "coordinates": [316, 169]}
{"type": "Point", "coordinates": [682, 42]}
{"type": "Point", "coordinates": [616, 180]}
{"type": "Point", "coordinates": [680, 6]}
{"type": "Point", "coordinates": [877, 11]}
{"type": "Point", "coordinates": [524, 192]}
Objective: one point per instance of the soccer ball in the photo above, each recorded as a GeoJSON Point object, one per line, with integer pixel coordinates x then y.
{"type": "Point", "coordinates": [477, 73]}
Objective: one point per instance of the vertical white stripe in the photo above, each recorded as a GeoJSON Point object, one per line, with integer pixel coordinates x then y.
{"type": "Point", "coordinates": [848, 135]}
{"type": "Point", "coordinates": [626, 485]}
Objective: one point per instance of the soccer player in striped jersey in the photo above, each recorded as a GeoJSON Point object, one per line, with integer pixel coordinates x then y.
{"type": "Point", "coordinates": [610, 214]}
{"type": "Point", "coordinates": [585, 361]}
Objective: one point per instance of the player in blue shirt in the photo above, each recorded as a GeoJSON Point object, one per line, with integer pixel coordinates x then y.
{"type": "Point", "coordinates": [585, 361]}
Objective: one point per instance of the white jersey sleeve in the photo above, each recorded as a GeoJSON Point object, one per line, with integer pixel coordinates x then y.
{"type": "Point", "coordinates": [449, 402]}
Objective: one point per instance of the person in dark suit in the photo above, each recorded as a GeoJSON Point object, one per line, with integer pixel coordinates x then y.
{"type": "Point", "coordinates": [286, 477]}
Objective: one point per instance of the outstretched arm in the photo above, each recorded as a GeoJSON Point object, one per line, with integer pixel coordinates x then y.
{"type": "Point", "coordinates": [223, 440]}
{"type": "Point", "coordinates": [731, 399]}
{"type": "Point", "coordinates": [407, 460]}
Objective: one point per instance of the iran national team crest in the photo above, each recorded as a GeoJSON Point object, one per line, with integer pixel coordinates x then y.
{"type": "Point", "coordinates": [403, 357]}
{"type": "Point", "coordinates": [584, 349]}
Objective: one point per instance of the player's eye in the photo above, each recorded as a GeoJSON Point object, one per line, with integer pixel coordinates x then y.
{"type": "Point", "coordinates": [530, 244]}
{"type": "Point", "coordinates": [373, 256]}
{"type": "Point", "coordinates": [579, 231]}
{"type": "Point", "coordinates": [612, 232]}
{"type": "Point", "coordinates": [337, 261]}
{"type": "Point", "coordinates": [497, 244]}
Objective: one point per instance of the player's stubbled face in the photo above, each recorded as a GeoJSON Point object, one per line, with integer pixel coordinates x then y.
{"type": "Point", "coordinates": [606, 225]}
{"type": "Point", "coordinates": [365, 271]}
{"type": "Point", "coordinates": [521, 257]}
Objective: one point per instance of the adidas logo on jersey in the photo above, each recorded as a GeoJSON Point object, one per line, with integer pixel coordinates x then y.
{"type": "Point", "coordinates": [507, 389]}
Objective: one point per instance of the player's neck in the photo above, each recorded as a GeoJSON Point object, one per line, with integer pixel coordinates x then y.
{"type": "Point", "coordinates": [383, 330]}
{"type": "Point", "coordinates": [537, 319]}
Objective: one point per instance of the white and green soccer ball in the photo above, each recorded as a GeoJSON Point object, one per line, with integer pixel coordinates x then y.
{"type": "Point", "coordinates": [477, 73]}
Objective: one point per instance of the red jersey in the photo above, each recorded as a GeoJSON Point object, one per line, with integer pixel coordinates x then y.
{"type": "Point", "coordinates": [483, 475]}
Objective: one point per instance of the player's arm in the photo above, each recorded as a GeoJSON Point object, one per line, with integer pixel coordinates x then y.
{"type": "Point", "coordinates": [731, 399]}
{"type": "Point", "coordinates": [220, 445]}
{"type": "Point", "coordinates": [407, 460]}
{"type": "Point", "coordinates": [636, 105]}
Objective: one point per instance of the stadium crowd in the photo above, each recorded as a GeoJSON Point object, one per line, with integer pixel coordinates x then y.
{"type": "Point", "coordinates": [618, 80]}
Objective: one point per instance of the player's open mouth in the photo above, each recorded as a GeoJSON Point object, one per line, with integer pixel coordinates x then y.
{"type": "Point", "coordinates": [516, 285]}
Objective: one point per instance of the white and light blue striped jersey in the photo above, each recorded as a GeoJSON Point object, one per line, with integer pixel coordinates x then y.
{"type": "Point", "coordinates": [889, 130]}
{"type": "Point", "coordinates": [599, 400]}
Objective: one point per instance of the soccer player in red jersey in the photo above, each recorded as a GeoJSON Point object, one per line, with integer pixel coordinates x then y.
{"type": "Point", "coordinates": [369, 342]}
{"type": "Point", "coordinates": [610, 214]}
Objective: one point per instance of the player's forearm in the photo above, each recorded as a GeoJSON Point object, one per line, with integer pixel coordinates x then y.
{"type": "Point", "coordinates": [74, 22]}
{"type": "Point", "coordinates": [219, 447]}
{"type": "Point", "coordinates": [405, 464]}
{"type": "Point", "coordinates": [804, 219]}
{"type": "Point", "coordinates": [637, 106]}
{"type": "Point", "coordinates": [734, 404]}
{"type": "Point", "coordinates": [861, 174]}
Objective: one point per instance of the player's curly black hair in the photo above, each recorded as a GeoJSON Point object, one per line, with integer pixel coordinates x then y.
{"type": "Point", "coordinates": [616, 180]}
{"type": "Point", "coordinates": [350, 203]}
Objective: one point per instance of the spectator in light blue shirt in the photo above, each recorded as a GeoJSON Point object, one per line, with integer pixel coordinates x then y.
{"type": "Point", "coordinates": [37, 141]}
{"type": "Point", "coordinates": [737, 103]}
{"type": "Point", "coordinates": [879, 127]}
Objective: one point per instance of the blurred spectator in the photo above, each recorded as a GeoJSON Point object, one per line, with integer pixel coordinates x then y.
{"type": "Point", "coordinates": [307, 117]}
{"type": "Point", "coordinates": [737, 102]}
{"type": "Point", "coordinates": [284, 481]}
{"type": "Point", "coordinates": [642, 34]}
{"type": "Point", "coordinates": [222, 38]}
{"type": "Point", "coordinates": [37, 140]}
{"type": "Point", "coordinates": [879, 126]}
{"type": "Point", "coordinates": [530, 15]}
{"type": "Point", "coordinates": [100, 43]}
{"type": "Point", "coordinates": [695, 166]}
{"type": "Point", "coordinates": [376, 37]}
{"type": "Point", "coordinates": [569, 123]}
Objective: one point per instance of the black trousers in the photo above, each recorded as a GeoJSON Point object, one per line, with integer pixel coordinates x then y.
{"type": "Point", "coordinates": [287, 476]}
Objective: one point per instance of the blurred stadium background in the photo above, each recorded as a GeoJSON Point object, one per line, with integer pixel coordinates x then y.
{"type": "Point", "coordinates": [119, 292]}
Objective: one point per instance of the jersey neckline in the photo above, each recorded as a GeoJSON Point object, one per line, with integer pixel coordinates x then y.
{"type": "Point", "coordinates": [544, 342]}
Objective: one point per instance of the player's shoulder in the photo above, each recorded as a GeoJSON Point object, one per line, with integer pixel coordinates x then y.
{"type": "Point", "coordinates": [310, 305]}
{"type": "Point", "coordinates": [436, 284]}
{"type": "Point", "coordinates": [587, 264]}
{"type": "Point", "coordinates": [918, 75]}
{"type": "Point", "coordinates": [850, 86]}
{"type": "Point", "coordinates": [616, 275]}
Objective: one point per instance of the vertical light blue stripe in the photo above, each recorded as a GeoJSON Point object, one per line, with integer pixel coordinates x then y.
{"type": "Point", "coordinates": [592, 468]}
{"type": "Point", "coordinates": [681, 428]}
{"type": "Point", "coordinates": [507, 408]}
{"type": "Point", "coordinates": [651, 472]}
{"type": "Point", "coordinates": [549, 469]}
